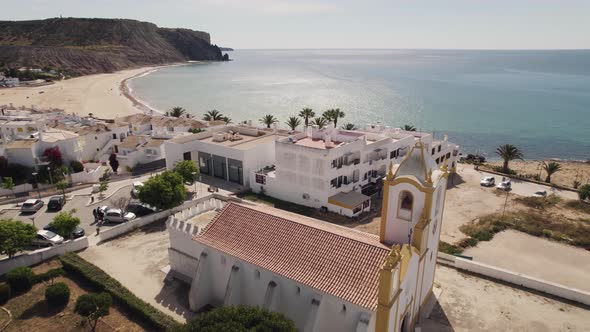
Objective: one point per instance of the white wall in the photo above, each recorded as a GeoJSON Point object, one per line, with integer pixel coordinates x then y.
{"type": "Point", "coordinates": [38, 256]}
{"type": "Point", "coordinates": [396, 229]}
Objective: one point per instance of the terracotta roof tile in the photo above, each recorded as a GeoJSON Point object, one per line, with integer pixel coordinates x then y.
{"type": "Point", "coordinates": [332, 259]}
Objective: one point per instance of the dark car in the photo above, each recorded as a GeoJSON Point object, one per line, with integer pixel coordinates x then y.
{"type": "Point", "coordinates": [78, 232]}
{"type": "Point", "coordinates": [139, 209]}
{"type": "Point", "coordinates": [56, 203]}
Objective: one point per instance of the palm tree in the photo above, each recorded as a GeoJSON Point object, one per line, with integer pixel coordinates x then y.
{"type": "Point", "coordinates": [268, 120]}
{"type": "Point", "coordinates": [551, 168]}
{"type": "Point", "coordinates": [409, 128]}
{"type": "Point", "coordinates": [333, 115]}
{"type": "Point", "coordinates": [293, 122]}
{"type": "Point", "coordinates": [213, 115]}
{"type": "Point", "coordinates": [176, 112]}
{"type": "Point", "coordinates": [306, 113]}
{"type": "Point", "coordinates": [320, 122]}
{"type": "Point", "coordinates": [508, 152]}
{"type": "Point", "coordinates": [226, 119]}
{"type": "Point", "coordinates": [349, 126]}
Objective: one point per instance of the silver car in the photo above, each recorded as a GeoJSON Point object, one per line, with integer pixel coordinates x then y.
{"type": "Point", "coordinates": [31, 205]}
{"type": "Point", "coordinates": [117, 215]}
{"type": "Point", "coordinates": [47, 238]}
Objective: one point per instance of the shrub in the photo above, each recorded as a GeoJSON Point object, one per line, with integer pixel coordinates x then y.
{"type": "Point", "coordinates": [57, 294]}
{"type": "Point", "coordinates": [584, 192]}
{"type": "Point", "coordinates": [20, 279]}
{"type": "Point", "coordinates": [77, 166]}
{"type": "Point", "coordinates": [48, 276]}
{"type": "Point", "coordinates": [468, 242]}
{"type": "Point", "coordinates": [137, 307]}
{"type": "Point", "coordinates": [483, 235]}
{"type": "Point", "coordinates": [4, 293]}
{"type": "Point", "coordinates": [240, 318]}
{"type": "Point", "coordinates": [448, 248]}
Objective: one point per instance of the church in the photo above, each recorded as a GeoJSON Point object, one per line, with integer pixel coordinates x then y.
{"type": "Point", "coordinates": [323, 276]}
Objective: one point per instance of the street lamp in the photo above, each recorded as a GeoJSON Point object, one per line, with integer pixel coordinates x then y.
{"type": "Point", "coordinates": [195, 182]}
{"type": "Point", "coordinates": [50, 178]}
{"type": "Point", "coordinates": [37, 183]}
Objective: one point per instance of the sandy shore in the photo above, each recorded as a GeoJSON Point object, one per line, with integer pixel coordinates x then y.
{"type": "Point", "coordinates": [570, 171]}
{"type": "Point", "coordinates": [102, 95]}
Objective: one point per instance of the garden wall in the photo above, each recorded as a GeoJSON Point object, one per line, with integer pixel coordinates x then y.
{"type": "Point", "coordinates": [38, 256]}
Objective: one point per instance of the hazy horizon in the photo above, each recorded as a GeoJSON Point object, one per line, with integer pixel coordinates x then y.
{"type": "Point", "coordinates": [346, 24]}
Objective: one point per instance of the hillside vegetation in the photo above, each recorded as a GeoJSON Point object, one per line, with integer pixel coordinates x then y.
{"type": "Point", "coordinates": [86, 46]}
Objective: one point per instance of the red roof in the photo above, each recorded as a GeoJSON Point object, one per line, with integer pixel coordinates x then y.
{"type": "Point", "coordinates": [336, 260]}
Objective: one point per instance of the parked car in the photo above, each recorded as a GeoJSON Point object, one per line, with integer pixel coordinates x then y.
{"type": "Point", "coordinates": [31, 205]}
{"type": "Point", "coordinates": [56, 203]}
{"type": "Point", "coordinates": [504, 185]}
{"type": "Point", "coordinates": [47, 238]}
{"type": "Point", "coordinates": [540, 193]}
{"type": "Point", "coordinates": [78, 232]}
{"type": "Point", "coordinates": [136, 186]}
{"type": "Point", "coordinates": [116, 215]}
{"type": "Point", "coordinates": [488, 181]}
{"type": "Point", "coordinates": [140, 209]}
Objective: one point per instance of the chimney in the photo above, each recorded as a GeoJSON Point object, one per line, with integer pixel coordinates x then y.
{"type": "Point", "coordinates": [328, 141]}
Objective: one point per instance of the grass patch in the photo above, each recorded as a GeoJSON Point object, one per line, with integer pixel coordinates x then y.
{"type": "Point", "coordinates": [448, 248]}
{"type": "Point", "coordinates": [532, 222]}
{"type": "Point", "coordinates": [578, 206]}
{"type": "Point", "coordinates": [145, 312]}
{"type": "Point", "coordinates": [277, 203]}
{"type": "Point", "coordinates": [540, 203]}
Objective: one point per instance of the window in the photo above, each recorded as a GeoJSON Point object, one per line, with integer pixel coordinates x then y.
{"type": "Point", "coordinates": [257, 274]}
{"type": "Point", "coordinates": [433, 151]}
{"type": "Point", "coordinates": [434, 227]}
{"type": "Point", "coordinates": [20, 130]}
{"type": "Point", "coordinates": [170, 128]}
{"type": "Point", "coordinates": [343, 309]}
{"type": "Point", "coordinates": [95, 138]}
{"type": "Point", "coordinates": [114, 136]}
{"type": "Point", "coordinates": [260, 179]}
{"type": "Point", "coordinates": [440, 146]}
{"type": "Point", "coordinates": [407, 200]}
{"type": "Point", "coordinates": [298, 291]}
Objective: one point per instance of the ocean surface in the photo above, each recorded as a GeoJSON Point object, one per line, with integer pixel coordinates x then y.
{"type": "Point", "coordinates": [536, 100]}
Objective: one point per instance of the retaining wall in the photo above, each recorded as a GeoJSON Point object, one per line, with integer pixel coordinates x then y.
{"type": "Point", "coordinates": [38, 256]}
{"type": "Point", "coordinates": [515, 278]}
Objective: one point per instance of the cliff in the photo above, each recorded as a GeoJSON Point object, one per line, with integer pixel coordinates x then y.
{"type": "Point", "coordinates": [81, 46]}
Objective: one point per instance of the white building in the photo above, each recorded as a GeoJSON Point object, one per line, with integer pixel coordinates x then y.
{"type": "Point", "coordinates": [322, 276]}
{"type": "Point", "coordinates": [226, 152]}
{"type": "Point", "coordinates": [139, 149]}
{"type": "Point", "coordinates": [9, 82]}
{"type": "Point", "coordinates": [339, 169]}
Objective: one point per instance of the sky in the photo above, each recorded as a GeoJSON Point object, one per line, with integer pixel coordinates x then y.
{"type": "Point", "coordinates": [430, 24]}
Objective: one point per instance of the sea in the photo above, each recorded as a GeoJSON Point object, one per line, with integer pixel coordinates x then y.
{"type": "Point", "coordinates": [538, 101]}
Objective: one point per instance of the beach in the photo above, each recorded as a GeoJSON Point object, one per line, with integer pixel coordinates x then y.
{"type": "Point", "coordinates": [103, 95]}
{"type": "Point", "coordinates": [569, 172]}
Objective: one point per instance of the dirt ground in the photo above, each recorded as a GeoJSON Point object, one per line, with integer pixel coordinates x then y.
{"type": "Point", "coordinates": [469, 303]}
{"type": "Point", "coordinates": [30, 312]}
{"type": "Point", "coordinates": [538, 257]}
{"type": "Point", "coordinates": [136, 260]}
{"type": "Point", "coordinates": [570, 171]}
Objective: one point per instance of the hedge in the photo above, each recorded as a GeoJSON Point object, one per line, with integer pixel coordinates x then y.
{"type": "Point", "coordinates": [123, 296]}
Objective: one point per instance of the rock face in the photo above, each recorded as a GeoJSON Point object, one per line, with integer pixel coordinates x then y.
{"type": "Point", "coordinates": [86, 46]}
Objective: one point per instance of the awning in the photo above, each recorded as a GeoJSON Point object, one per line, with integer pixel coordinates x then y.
{"type": "Point", "coordinates": [348, 200]}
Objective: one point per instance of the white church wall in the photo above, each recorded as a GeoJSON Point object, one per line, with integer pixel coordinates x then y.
{"type": "Point", "coordinates": [397, 229]}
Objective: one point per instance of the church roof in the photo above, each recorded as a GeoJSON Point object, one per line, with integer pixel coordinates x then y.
{"type": "Point", "coordinates": [336, 260]}
{"type": "Point", "coordinates": [418, 163]}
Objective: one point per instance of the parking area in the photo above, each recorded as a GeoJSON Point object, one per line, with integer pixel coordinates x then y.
{"type": "Point", "coordinates": [43, 217]}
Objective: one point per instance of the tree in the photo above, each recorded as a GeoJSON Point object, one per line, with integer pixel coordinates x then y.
{"type": "Point", "coordinates": [92, 306]}
{"type": "Point", "coordinates": [8, 184]}
{"type": "Point", "coordinates": [293, 122]}
{"type": "Point", "coordinates": [226, 119]}
{"type": "Point", "coordinates": [320, 122]}
{"type": "Point", "coordinates": [186, 168]}
{"type": "Point", "coordinates": [508, 152]}
{"type": "Point", "coordinates": [408, 128]}
{"type": "Point", "coordinates": [349, 126]}
{"type": "Point", "coordinates": [268, 120]}
{"type": "Point", "coordinates": [53, 155]}
{"type": "Point", "coordinates": [76, 166]}
{"type": "Point", "coordinates": [65, 223]}
{"type": "Point", "coordinates": [584, 192]}
{"type": "Point", "coordinates": [551, 168]}
{"type": "Point", "coordinates": [62, 185]}
{"type": "Point", "coordinates": [306, 114]}
{"type": "Point", "coordinates": [241, 318]}
{"type": "Point", "coordinates": [15, 236]}
{"type": "Point", "coordinates": [333, 115]}
{"type": "Point", "coordinates": [164, 191]}
{"type": "Point", "coordinates": [176, 112]}
{"type": "Point", "coordinates": [104, 186]}
{"type": "Point", "coordinates": [121, 203]}
{"type": "Point", "coordinates": [213, 115]}
{"type": "Point", "coordinates": [113, 162]}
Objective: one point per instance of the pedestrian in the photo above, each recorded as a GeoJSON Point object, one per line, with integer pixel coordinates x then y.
{"type": "Point", "coordinates": [95, 214]}
{"type": "Point", "coordinates": [97, 229]}
{"type": "Point", "coordinates": [91, 199]}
